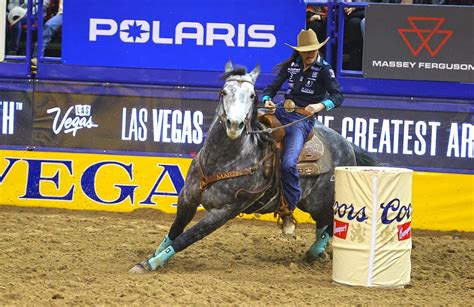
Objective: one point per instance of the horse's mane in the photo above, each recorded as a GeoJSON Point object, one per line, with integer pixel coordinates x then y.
{"type": "Point", "coordinates": [237, 71]}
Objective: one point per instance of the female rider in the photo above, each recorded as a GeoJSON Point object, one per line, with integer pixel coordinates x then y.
{"type": "Point", "coordinates": [312, 87]}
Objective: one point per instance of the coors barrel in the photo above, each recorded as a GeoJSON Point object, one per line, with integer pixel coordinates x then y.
{"type": "Point", "coordinates": [372, 226]}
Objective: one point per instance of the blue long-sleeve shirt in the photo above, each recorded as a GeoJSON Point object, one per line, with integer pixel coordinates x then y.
{"type": "Point", "coordinates": [316, 84]}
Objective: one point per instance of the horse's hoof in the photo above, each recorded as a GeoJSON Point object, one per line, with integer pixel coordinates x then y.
{"type": "Point", "coordinates": [310, 257]}
{"type": "Point", "coordinates": [137, 270]}
{"type": "Point", "coordinates": [140, 268]}
{"type": "Point", "coordinates": [288, 227]}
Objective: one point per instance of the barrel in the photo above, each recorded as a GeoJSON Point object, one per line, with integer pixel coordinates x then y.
{"type": "Point", "coordinates": [372, 226]}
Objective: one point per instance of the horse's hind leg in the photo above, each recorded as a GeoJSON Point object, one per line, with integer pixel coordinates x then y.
{"type": "Point", "coordinates": [324, 230]}
{"type": "Point", "coordinates": [324, 217]}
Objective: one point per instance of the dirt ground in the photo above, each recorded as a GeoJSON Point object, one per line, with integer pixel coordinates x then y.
{"type": "Point", "coordinates": [60, 257]}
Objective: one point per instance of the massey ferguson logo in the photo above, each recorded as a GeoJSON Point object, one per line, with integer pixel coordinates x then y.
{"type": "Point", "coordinates": [69, 123]}
{"type": "Point", "coordinates": [340, 229]}
{"type": "Point", "coordinates": [425, 33]}
{"type": "Point", "coordinates": [404, 231]}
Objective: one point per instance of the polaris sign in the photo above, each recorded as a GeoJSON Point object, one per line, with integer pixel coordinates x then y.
{"type": "Point", "coordinates": [182, 35]}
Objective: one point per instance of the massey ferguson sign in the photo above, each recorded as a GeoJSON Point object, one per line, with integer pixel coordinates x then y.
{"type": "Point", "coordinates": [418, 42]}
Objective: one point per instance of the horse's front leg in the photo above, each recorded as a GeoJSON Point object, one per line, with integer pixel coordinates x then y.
{"type": "Point", "coordinates": [188, 202]}
{"type": "Point", "coordinates": [214, 219]}
{"type": "Point", "coordinates": [184, 215]}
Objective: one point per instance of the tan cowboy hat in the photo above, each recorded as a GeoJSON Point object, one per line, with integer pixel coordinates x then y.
{"type": "Point", "coordinates": [308, 41]}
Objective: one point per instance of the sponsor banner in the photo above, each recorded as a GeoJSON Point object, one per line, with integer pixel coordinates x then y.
{"type": "Point", "coordinates": [165, 125]}
{"type": "Point", "coordinates": [443, 201]}
{"type": "Point", "coordinates": [90, 182]}
{"type": "Point", "coordinates": [176, 34]}
{"type": "Point", "coordinates": [15, 118]}
{"type": "Point", "coordinates": [419, 42]}
{"type": "Point", "coordinates": [125, 183]}
{"type": "Point", "coordinates": [409, 138]}
{"type": "Point", "coordinates": [374, 204]}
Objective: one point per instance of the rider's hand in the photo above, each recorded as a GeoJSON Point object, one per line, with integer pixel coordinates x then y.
{"type": "Point", "coordinates": [270, 106]}
{"type": "Point", "coordinates": [314, 108]}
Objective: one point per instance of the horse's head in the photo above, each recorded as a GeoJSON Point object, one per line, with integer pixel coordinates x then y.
{"type": "Point", "coordinates": [237, 99]}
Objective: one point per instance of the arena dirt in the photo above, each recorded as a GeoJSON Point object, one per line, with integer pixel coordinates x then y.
{"type": "Point", "coordinates": [60, 257]}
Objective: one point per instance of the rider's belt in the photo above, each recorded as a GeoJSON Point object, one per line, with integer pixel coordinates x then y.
{"type": "Point", "coordinates": [290, 106]}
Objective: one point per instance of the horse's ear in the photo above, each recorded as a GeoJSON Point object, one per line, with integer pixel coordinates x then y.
{"type": "Point", "coordinates": [228, 66]}
{"type": "Point", "coordinates": [254, 73]}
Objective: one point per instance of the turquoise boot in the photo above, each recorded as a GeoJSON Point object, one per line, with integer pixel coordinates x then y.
{"type": "Point", "coordinates": [164, 244]}
{"type": "Point", "coordinates": [161, 259]}
{"type": "Point", "coordinates": [158, 259]}
{"type": "Point", "coordinates": [317, 249]}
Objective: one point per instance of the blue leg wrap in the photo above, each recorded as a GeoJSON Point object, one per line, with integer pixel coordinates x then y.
{"type": "Point", "coordinates": [322, 240]}
{"type": "Point", "coordinates": [162, 258]}
{"type": "Point", "coordinates": [164, 244]}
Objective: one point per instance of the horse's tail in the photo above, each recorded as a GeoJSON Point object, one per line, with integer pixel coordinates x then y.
{"type": "Point", "coordinates": [364, 158]}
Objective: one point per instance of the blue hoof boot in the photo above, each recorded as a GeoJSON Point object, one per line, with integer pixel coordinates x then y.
{"type": "Point", "coordinates": [161, 259]}
{"type": "Point", "coordinates": [158, 259]}
{"type": "Point", "coordinates": [319, 247]}
{"type": "Point", "coordinates": [164, 244]}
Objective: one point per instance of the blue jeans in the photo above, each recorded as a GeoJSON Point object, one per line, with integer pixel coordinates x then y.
{"type": "Point", "coordinates": [295, 137]}
{"type": "Point", "coordinates": [15, 36]}
{"type": "Point", "coordinates": [50, 28]}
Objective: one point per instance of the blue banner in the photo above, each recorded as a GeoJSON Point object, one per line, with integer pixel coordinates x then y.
{"type": "Point", "coordinates": [184, 35]}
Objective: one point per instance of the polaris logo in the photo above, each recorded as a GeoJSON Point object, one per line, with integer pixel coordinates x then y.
{"type": "Point", "coordinates": [141, 31]}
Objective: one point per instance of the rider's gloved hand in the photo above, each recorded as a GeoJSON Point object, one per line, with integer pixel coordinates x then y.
{"type": "Point", "coordinates": [269, 105]}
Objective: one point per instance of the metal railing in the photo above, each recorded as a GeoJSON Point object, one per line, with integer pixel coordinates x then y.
{"type": "Point", "coordinates": [353, 81]}
{"type": "Point", "coordinates": [19, 66]}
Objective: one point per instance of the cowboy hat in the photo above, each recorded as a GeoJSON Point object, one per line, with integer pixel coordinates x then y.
{"type": "Point", "coordinates": [308, 41]}
{"type": "Point", "coordinates": [16, 14]}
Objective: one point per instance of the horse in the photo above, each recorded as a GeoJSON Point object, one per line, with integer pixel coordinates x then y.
{"type": "Point", "coordinates": [227, 177]}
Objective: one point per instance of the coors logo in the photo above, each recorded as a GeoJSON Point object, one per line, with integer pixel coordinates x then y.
{"type": "Point", "coordinates": [340, 229]}
{"type": "Point", "coordinates": [404, 231]}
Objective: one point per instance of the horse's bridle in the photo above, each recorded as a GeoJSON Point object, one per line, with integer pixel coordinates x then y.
{"type": "Point", "coordinates": [223, 117]}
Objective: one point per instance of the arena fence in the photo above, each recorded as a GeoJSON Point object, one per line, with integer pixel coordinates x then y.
{"type": "Point", "coordinates": [108, 138]}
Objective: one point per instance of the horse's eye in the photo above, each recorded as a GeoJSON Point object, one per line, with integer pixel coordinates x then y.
{"type": "Point", "coordinates": [252, 96]}
{"type": "Point", "coordinates": [224, 93]}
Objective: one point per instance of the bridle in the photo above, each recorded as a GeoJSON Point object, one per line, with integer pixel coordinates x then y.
{"type": "Point", "coordinates": [223, 117]}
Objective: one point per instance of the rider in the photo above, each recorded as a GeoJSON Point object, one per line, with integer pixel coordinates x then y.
{"type": "Point", "coordinates": [312, 87]}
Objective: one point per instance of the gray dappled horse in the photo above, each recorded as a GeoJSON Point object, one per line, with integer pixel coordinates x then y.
{"type": "Point", "coordinates": [237, 156]}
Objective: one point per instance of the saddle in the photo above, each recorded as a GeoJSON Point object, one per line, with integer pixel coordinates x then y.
{"type": "Point", "coordinates": [314, 158]}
